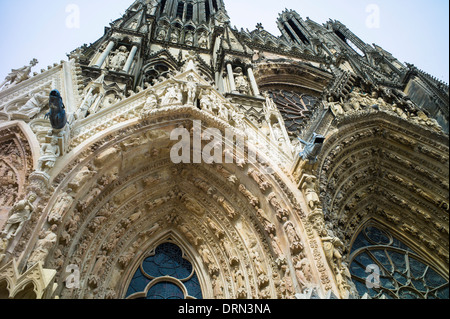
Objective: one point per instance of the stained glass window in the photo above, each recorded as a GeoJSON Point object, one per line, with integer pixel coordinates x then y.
{"type": "Point", "coordinates": [295, 108]}
{"type": "Point", "coordinates": [165, 275]}
{"type": "Point", "coordinates": [396, 271]}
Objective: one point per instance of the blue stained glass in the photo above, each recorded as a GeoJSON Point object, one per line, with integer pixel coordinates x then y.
{"type": "Point", "coordinates": [362, 289]}
{"type": "Point", "coordinates": [433, 279]}
{"type": "Point", "coordinates": [193, 287]}
{"type": "Point", "coordinates": [443, 293]}
{"type": "Point", "coordinates": [167, 261]}
{"type": "Point", "coordinates": [387, 283]}
{"type": "Point", "coordinates": [364, 259]}
{"type": "Point", "coordinates": [360, 242]}
{"type": "Point", "coordinates": [138, 283]}
{"type": "Point", "coordinates": [398, 261]}
{"type": "Point", "coordinates": [165, 290]}
{"type": "Point", "coordinates": [377, 235]}
{"type": "Point", "coordinates": [409, 294]}
{"type": "Point", "coordinates": [402, 275]}
{"type": "Point", "coordinates": [380, 255]}
{"type": "Point", "coordinates": [417, 268]}
{"type": "Point", "coordinates": [419, 285]}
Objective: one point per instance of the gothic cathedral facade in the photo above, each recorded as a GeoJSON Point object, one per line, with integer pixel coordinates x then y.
{"type": "Point", "coordinates": [180, 157]}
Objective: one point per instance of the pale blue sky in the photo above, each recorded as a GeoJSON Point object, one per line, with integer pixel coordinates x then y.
{"type": "Point", "coordinates": [414, 31]}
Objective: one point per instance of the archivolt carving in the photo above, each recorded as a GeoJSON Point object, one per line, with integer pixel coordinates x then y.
{"type": "Point", "coordinates": [110, 197]}
{"type": "Point", "coordinates": [375, 167]}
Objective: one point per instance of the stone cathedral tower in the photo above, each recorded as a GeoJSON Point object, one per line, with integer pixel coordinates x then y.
{"type": "Point", "coordinates": [119, 179]}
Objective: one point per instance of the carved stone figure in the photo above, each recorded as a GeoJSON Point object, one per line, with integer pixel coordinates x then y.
{"type": "Point", "coordinates": [259, 179]}
{"type": "Point", "coordinates": [98, 269]}
{"type": "Point", "coordinates": [18, 75]}
{"type": "Point", "coordinates": [45, 243]}
{"type": "Point", "coordinates": [174, 35]}
{"type": "Point", "coordinates": [62, 204]}
{"type": "Point", "coordinates": [190, 89]}
{"type": "Point", "coordinates": [161, 34]}
{"type": "Point", "coordinates": [189, 38]}
{"type": "Point", "coordinates": [118, 59]}
{"type": "Point", "coordinates": [309, 189]}
{"type": "Point", "coordinates": [49, 154]}
{"type": "Point", "coordinates": [206, 100]}
{"type": "Point", "coordinates": [82, 176]}
{"type": "Point", "coordinates": [336, 107]}
{"type": "Point", "coordinates": [231, 212]}
{"type": "Point", "coordinates": [217, 288]}
{"type": "Point", "coordinates": [253, 200]}
{"type": "Point", "coordinates": [241, 82]}
{"type": "Point", "coordinates": [303, 272]}
{"type": "Point", "coordinates": [173, 95]}
{"type": "Point", "coordinates": [34, 105]}
{"type": "Point", "coordinates": [208, 260]}
{"type": "Point", "coordinates": [18, 215]}
{"type": "Point", "coordinates": [203, 41]}
{"type": "Point", "coordinates": [3, 247]}
{"type": "Point", "coordinates": [151, 102]}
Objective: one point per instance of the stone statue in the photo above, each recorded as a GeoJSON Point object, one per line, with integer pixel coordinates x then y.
{"type": "Point", "coordinates": [203, 41]}
{"type": "Point", "coordinates": [189, 38]}
{"type": "Point", "coordinates": [336, 107]}
{"type": "Point", "coordinates": [63, 203]}
{"type": "Point", "coordinates": [355, 98]}
{"type": "Point", "coordinates": [161, 34]}
{"type": "Point", "coordinates": [191, 89]}
{"type": "Point", "coordinates": [118, 59]}
{"type": "Point", "coordinates": [173, 95]}
{"type": "Point", "coordinates": [3, 246]}
{"type": "Point", "coordinates": [151, 102]}
{"type": "Point", "coordinates": [18, 75]}
{"type": "Point", "coordinates": [45, 243]}
{"type": "Point", "coordinates": [49, 154]}
{"type": "Point", "coordinates": [206, 100]}
{"type": "Point", "coordinates": [217, 288]}
{"type": "Point", "coordinates": [303, 272]}
{"type": "Point", "coordinates": [18, 215]}
{"type": "Point", "coordinates": [309, 189]}
{"type": "Point", "coordinates": [34, 105]}
{"type": "Point", "coordinates": [174, 36]}
{"type": "Point", "coordinates": [332, 246]}
{"type": "Point", "coordinates": [241, 82]}
{"type": "Point", "coordinates": [278, 133]}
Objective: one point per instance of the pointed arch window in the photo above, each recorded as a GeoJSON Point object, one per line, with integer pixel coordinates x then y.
{"type": "Point", "coordinates": [163, 6]}
{"type": "Point", "coordinates": [347, 41]}
{"type": "Point", "coordinates": [189, 12]}
{"type": "Point", "coordinates": [216, 7]}
{"type": "Point", "coordinates": [207, 10]}
{"type": "Point", "coordinates": [180, 10]}
{"type": "Point", "coordinates": [403, 274]}
{"type": "Point", "coordinates": [165, 274]}
{"type": "Point", "coordinates": [300, 34]}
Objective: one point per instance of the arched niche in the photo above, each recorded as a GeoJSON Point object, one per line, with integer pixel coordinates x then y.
{"type": "Point", "coordinates": [378, 166]}
{"type": "Point", "coordinates": [115, 189]}
{"type": "Point", "coordinates": [19, 152]}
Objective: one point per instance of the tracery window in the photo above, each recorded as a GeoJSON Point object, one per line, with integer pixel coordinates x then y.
{"type": "Point", "coordinates": [295, 108]}
{"type": "Point", "coordinates": [403, 274]}
{"type": "Point", "coordinates": [165, 274]}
